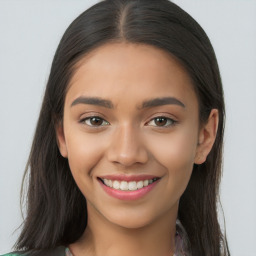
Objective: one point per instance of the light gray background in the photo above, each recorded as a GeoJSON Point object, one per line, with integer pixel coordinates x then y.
{"type": "Point", "coordinates": [29, 34]}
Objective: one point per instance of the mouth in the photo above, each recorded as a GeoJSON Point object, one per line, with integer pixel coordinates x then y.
{"type": "Point", "coordinates": [128, 187]}
{"type": "Point", "coordinates": [124, 185]}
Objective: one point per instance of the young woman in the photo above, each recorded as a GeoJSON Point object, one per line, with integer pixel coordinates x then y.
{"type": "Point", "coordinates": [126, 158]}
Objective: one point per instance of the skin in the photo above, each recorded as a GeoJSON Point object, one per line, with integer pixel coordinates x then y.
{"type": "Point", "coordinates": [129, 139]}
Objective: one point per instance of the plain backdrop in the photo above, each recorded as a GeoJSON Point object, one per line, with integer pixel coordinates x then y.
{"type": "Point", "coordinates": [29, 34]}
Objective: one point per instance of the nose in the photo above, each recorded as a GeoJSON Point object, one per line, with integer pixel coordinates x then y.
{"type": "Point", "coordinates": [127, 147]}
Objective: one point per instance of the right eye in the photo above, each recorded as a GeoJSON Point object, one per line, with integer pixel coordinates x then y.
{"type": "Point", "coordinates": [95, 121]}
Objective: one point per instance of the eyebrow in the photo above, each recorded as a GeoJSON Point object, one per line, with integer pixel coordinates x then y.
{"type": "Point", "coordinates": [162, 101]}
{"type": "Point", "coordinates": [93, 101]}
{"type": "Point", "coordinates": [146, 104]}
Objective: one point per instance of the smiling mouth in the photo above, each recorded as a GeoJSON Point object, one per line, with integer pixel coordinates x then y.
{"type": "Point", "coordinates": [127, 185]}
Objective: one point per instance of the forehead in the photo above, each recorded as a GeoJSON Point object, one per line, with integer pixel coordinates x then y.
{"type": "Point", "coordinates": [132, 71]}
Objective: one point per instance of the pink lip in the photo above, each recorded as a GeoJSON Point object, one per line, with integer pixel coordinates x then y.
{"type": "Point", "coordinates": [128, 195]}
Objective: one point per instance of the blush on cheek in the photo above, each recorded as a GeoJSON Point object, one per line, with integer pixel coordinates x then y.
{"type": "Point", "coordinates": [84, 156]}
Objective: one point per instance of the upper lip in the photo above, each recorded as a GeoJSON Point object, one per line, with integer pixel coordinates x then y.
{"type": "Point", "coordinates": [124, 177]}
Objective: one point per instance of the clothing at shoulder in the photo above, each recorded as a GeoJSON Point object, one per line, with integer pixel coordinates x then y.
{"type": "Point", "coordinates": [59, 251]}
{"type": "Point", "coordinates": [12, 254]}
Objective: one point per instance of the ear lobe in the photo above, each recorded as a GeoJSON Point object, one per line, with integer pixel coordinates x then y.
{"type": "Point", "coordinates": [207, 137]}
{"type": "Point", "coordinates": [61, 139]}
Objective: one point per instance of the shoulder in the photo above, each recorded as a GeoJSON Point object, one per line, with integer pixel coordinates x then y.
{"type": "Point", "coordinates": [13, 254]}
{"type": "Point", "coordinates": [59, 251]}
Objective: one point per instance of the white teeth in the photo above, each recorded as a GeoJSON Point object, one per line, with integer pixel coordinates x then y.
{"type": "Point", "coordinates": [140, 184]}
{"type": "Point", "coordinates": [124, 185]}
{"type": "Point", "coordinates": [145, 183]}
{"type": "Point", "coordinates": [131, 185]}
{"type": "Point", "coordinates": [106, 182]}
{"type": "Point", "coordinates": [116, 184]}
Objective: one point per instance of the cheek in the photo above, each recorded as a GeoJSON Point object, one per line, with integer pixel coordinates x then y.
{"type": "Point", "coordinates": [84, 152]}
{"type": "Point", "coordinates": [176, 148]}
{"type": "Point", "coordinates": [176, 153]}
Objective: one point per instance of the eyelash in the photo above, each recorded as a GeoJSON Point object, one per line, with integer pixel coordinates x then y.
{"type": "Point", "coordinates": [90, 118]}
{"type": "Point", "coordinates": [169, 121]}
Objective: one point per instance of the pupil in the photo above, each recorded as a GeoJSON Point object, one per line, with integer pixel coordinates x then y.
{"type": "Point", "coordinates": [96, 121]}
{"type": "Point", "coordinates": [161, 121]}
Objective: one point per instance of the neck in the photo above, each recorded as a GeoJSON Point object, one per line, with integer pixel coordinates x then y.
{"type": "Point", "coordinates": [103, 237]}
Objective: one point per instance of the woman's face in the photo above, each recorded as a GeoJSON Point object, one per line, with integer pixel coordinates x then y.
{"type": "Point", "coordinates": [130, 133]}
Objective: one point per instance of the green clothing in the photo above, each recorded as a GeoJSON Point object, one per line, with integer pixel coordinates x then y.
{"type": "Point", "coordinates": [59, 251]}
{"type": "Point", "coordinates": [11, 254]}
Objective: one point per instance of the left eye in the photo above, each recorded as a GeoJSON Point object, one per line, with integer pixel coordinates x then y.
{"type": "Point", "coordinates": [161, 121]}
{"type": "Point", "coordinates": [95, 121]}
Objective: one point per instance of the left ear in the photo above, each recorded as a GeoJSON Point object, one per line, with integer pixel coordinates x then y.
{"type": "Point", "coordinates": [61, 141]}
{"type": "Point", "coordinates": [206, 138]}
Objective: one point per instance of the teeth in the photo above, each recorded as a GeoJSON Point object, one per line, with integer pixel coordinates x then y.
{"type": "Point", "coordinates": [131, 185]}
{"type": "Point", "coordinates": [116, 184]}
{"type": "Point", "coordinates": [145, 183]}
{"type": "Point", "coordinates": [124, 185]}
{"type": "Point", "coordinates": [140, 184]}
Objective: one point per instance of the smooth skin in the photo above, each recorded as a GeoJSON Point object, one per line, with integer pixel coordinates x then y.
{"type": "Point", "coordinates": [129, 129]}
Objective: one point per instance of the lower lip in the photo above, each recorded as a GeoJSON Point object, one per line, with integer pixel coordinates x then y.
{"type": "Point", "coordinates": [126, 194]}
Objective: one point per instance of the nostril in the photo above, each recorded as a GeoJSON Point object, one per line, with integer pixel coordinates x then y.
{"type": "Point", "coordinates": [127, 148]}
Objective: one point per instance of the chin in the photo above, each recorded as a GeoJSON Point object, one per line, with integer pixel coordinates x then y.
{"type": "Point", "coordinates": [132, 219]}
{"type": "Point", "coordinates": [132, 224]}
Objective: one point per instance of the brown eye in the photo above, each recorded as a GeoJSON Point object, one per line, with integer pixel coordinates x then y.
{"type": "Point", "coordinates": [95, 121]}
{"type": "Point", "coordinates": [161, 121]}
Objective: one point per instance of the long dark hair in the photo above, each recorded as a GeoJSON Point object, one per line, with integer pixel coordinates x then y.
{"type": "Point", "coordinates": [56, 209]}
